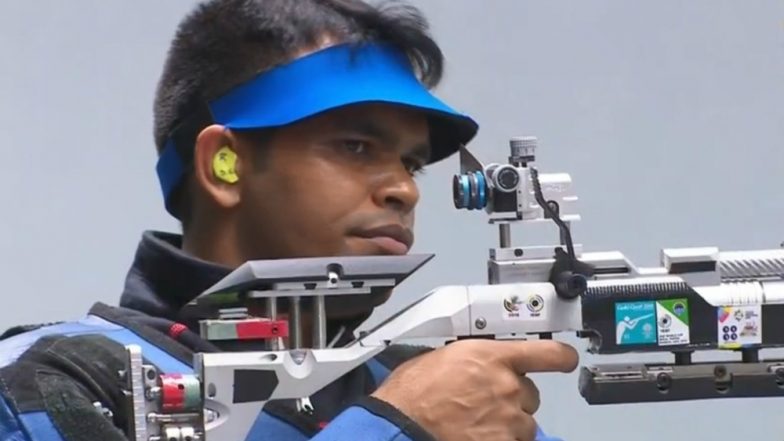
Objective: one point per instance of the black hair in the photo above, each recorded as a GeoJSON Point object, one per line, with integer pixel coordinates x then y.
{"type": "Point", "coordinates": [223, 43]}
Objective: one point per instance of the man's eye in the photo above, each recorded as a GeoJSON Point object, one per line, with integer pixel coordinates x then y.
{"type": "Point", "coordinates": [355, 146]}
{"type": "Point", "coordinates": [414, 166]}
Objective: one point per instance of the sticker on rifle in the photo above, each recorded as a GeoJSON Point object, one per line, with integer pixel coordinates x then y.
{"type": "Point", "coordinates": [672, 318]}
{"type": "Point", "coordinates": [517, 308]}
{"type": "Point", "coordinates": [739, 326]}
{"type": "Point", "coordinates": [635, 323]}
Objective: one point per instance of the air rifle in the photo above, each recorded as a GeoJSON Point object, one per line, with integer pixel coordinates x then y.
{"type": "Point", "coordinates": [698, 299]}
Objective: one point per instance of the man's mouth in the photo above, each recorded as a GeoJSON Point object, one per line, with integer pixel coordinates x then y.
{"type": "Point", "coordinates": [393, 238]}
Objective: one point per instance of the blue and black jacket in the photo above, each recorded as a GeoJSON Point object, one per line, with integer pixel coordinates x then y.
{"type": "Point", "coordinates": [53, 377]}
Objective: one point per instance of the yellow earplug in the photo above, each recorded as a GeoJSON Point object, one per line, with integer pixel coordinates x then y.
{"type": "Point", "coordinates": [223, 165]}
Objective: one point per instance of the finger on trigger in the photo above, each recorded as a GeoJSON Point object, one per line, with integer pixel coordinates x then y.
{"type": "Point", "coordinates": [539, 356]}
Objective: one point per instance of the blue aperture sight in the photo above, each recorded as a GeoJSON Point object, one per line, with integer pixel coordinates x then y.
{"type": "Point", "coordinates": [469, 191]}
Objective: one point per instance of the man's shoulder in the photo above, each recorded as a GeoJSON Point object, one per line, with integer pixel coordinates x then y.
{"type": "Point", "coordinates": [86, 350]}
{"type": "Point", "coordinates": [82, 358]}
{"type": "Point", "coordinates": [58, 382]}
{"type": "Point", "coordinates": [62, 375]}
{"type": "Point", "coordinates": [17, 340]}
{"type": "Point", "coordinates": [119, 325]}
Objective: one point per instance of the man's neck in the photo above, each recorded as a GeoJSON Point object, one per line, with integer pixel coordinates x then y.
{"type": "Point", "coordinates": [214, 245]}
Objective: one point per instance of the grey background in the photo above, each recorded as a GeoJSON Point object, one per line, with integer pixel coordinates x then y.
{"type": "Point", "coordinates": [667, 114]}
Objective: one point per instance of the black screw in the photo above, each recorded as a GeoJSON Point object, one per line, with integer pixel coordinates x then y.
{"type": "Point", "coordinates": [722, 385]}
{"type": "Point", "coordinates": [663, 382]}
{"type": "Point", "coordinates": [779, 373]}
{"type": "Point", "coordinates": [518, 252]}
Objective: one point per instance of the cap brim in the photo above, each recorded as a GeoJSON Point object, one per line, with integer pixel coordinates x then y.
{"type": "Point", "coordinates": [336, 77]}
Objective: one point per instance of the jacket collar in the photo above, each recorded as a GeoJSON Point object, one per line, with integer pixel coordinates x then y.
{"type": "Point", "coordinates": [163, 278]}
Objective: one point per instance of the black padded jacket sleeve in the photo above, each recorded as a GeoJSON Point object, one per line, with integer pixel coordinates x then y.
{"type": "Point", "coordinates": [59, 382]}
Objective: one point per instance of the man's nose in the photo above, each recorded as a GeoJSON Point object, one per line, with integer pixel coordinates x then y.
{"type": "Point", "coordinates": [397, 190]}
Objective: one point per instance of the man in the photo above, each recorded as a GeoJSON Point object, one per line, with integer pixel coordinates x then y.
{"type": "Point", "coordinates": [286, 129]}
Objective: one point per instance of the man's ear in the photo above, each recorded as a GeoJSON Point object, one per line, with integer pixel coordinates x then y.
{"type": "Point", "coordinates": [217, 166]}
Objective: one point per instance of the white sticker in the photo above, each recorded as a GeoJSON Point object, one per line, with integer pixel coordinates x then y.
{"type": "Point", "coordinates": [516, 308]}
{"type": "Point", "coordinates": [672, 320]}
{"type": "Point", "coordinates": [739, 326]}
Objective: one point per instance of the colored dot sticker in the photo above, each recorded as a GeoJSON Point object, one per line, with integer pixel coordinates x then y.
{"type": "Point", "coordinates": [739, 326]}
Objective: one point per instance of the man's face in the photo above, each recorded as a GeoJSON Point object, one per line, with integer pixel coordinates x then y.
{"type": "Point", "coordinates": [341, 183]}
{"type": "Point", "coordinates": [338, 184]}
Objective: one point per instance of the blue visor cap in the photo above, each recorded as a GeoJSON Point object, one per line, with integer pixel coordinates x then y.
{"type": "Point", "coordinates": [324, 80]}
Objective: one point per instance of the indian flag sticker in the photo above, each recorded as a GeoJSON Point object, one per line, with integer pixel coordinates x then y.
{"type": "Point", "coordinates": [672, 318]}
